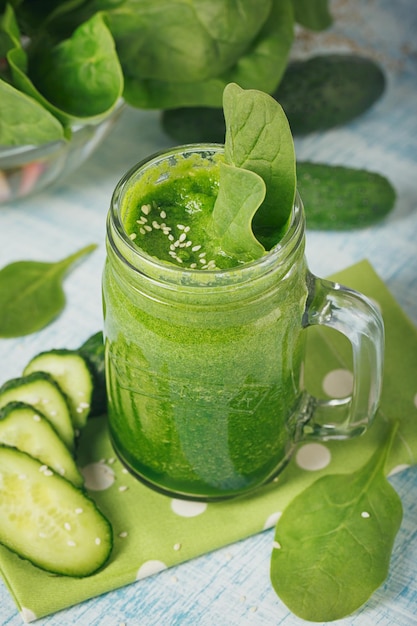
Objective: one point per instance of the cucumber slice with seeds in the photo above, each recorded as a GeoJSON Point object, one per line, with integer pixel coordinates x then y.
{"type": "Point", "coordinates": [73, 375]}
{"type": "Point", "coordinates": [25, 428]}
{"type": "Point", "coordinates": [48, 521]}
{"type": "Point", "coordinates": [40, 390]}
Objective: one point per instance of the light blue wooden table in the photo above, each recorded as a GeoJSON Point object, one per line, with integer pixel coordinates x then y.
{"type": "Point", "coordinates": [231, 586]}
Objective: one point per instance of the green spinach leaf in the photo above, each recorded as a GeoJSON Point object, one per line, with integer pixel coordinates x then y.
{"type": "Point", "coordinates": [258, 138]}
{"type": "Point", "coordinates": [215, 43]}
{"type": "Point", "coordinates": [333, 542]}
{"type": "Point", "coordinates": [81, 75]}
{"type": "Point", "coordinates": [80, 78]}
{"type": "Point", "coordinates": [313, 14]}
{"type": "Point", "coordinates": [240, 194]}
{"type": "Point", "coordinates": [23, 121]}
{"type": "Point", "coordinates": [31, 294]}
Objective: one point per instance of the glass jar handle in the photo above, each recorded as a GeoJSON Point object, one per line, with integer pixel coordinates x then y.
{"type": "Point", "coordinates": [343, 309]}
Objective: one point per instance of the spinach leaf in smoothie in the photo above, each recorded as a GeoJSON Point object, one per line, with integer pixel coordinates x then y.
{"type": "Point", "coordinates": [333, 542]}
{"type": "Point", "coordinates": [31, 293]}
{"type": "Point", "coordinates": [258, 145]}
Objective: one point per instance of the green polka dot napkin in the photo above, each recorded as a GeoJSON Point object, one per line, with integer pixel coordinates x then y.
{"type": "Point", "coordinates": [152, 532]}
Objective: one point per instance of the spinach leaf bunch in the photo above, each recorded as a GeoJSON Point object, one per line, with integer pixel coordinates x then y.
{"type": "Point", "coordinates": [62, 63]}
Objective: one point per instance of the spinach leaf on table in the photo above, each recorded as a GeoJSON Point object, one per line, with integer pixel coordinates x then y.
{"type": "Point", "coordinates": [31, 294]}
{"type": "Point", "coordinates": [333, 542]}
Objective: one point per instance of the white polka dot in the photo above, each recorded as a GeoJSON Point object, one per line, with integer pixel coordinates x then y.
{"type": "Point", "coordinates": [313, 457]}
{"type": "Point", "coordinates": [338, 383]}
{"type": "Point", "coordinates": [149, 568]}
{"type": "Point", "coordinates": [272, 520]}
{"type": "Point", "coordinates": [398, 468]}
{"type": "Point", "coordinates": [188, 508]}
{"type": "Point", "coordinates": [98, 476]}
{"type": "Point", "coordinates": [27, 615]}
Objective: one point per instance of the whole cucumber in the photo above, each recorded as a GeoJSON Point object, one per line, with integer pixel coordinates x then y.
{"type": "Point", "coordinates": [328, 90]}
{"type": "Point", "coordinates": [342, 198]}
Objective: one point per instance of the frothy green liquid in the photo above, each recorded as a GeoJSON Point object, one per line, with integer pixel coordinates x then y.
{"type": "Point", "coordinates": [167, 219]}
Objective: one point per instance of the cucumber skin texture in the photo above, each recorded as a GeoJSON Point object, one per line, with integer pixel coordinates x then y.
{"type": "Point", "coordinates": [194, 124]}
{"type": "Point", "coordinates": [21, 534]}
{"type": "Point", "coordinates": [92, 350]}
{"type": "Point", "coordinates": [38, 439]}
{"type": "Point", "coordinates": [328, 90]}
{"type": "Point", "coordinates": [12, 391]}
{"type": "Point", "coordinates": [343, 198]}
{"type": "Point", "coordinates": [62, 373]}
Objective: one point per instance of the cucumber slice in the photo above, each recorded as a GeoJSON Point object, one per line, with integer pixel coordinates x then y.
{"type": "Point", "coordinates": [73, 375]}
{"type": "Point", "coordinates": [25, 428]}
{"type": "Point", "coordinates": [93, 351]}
{"type": "Point", "coordinates": [41, 391]}
{"type": "Point", "coordinates": [48, 521]}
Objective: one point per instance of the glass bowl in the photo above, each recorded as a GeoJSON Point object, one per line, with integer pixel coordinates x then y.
{"type": "Point", "coordinates": [25, 170]}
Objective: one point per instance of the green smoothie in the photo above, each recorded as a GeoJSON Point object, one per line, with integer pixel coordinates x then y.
{"type": "Point", "coordinates": [204, 339]}
{"type": "Point", "coordinates": [204, 375]}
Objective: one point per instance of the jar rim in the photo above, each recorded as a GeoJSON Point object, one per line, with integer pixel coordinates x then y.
{"type": "Point", "coordinates": [156, 268]}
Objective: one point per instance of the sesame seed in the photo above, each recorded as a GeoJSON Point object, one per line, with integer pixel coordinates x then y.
{"type": "Point", "coordinates": [123, 534]}
{"type": "Point", "coordinates": [177, 546]}
{"type": "Point", "coordinates": [156, 225]}
{"type": "Point", "coordinates": [142, 231]}
{"type": "Point", "coordinates": [112, 460]}
{"type": "Point", "coordinates": [189, 243]}
{"type": "Point", "coordinates": [202, 254]}
{"type": "Point", "coordinates": [48, 472]}
{"type": "Point", "coordinates": [173, 254]}
{"type": "Point", "coordinates": [125, 471]}
{"type": "Point", "coordinates": [123, 488]}
{"type": "Point", "coordinates": [162, 215]}
{"type": "Point", "coordinates": [43, 468]}
{"type": "Point", "coordinates": [182, 237]}
{"type": "Point", "coordinates": [179, 259]}
{"type": "Point", "coordinates": [195, 248]}
{"type": "Point", "coordinates": [182, 244]}
{"type": "Point", "coordinates": [171, 237]}
{"type": "Point", "coordinates": [365, 514]}
{"type": "Point", "coordinates": [187, 229]}
{"type": "Point", "coordinates": [176, 243]}
{"type": "Point", "coordinates": [142, 220]}
{"type": "Point", "coordinates": [276, 545]}
{"type": "Point", "coordinates": [97, 541]}
{"type": "Point", "coordinates": [148, 228]}
{"type": "Point", "coordinates": [203, 260]}
{"type": "Point", "coordinates": [180, 226]}
{"type": "Point", "coordinates": [37, 418]}
{"type": "Point", "coordinates": [172, 247]}
{"type": "Point", "coordinates": [146, 209]}
{"type": "Point", "coordinates": [193, 266]}
{"type": "Point", "coordinates": [78, 511]}
{"type": "Point", "coordinates": [132, 236]}
{"type": "Point", "coordinates": [253, 609]}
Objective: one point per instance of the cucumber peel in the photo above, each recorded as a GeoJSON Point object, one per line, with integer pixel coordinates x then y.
{"type": "Point", "coordinates": [343, 198]}
{"type": "Point", "coordinates": [26, 429]}
{"type": "Point", "coordinates": [41, 390]}
{"type": "Point", "coordinates": [48, 521]}
{"type": "Point", "coordinates": [73, 375]}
